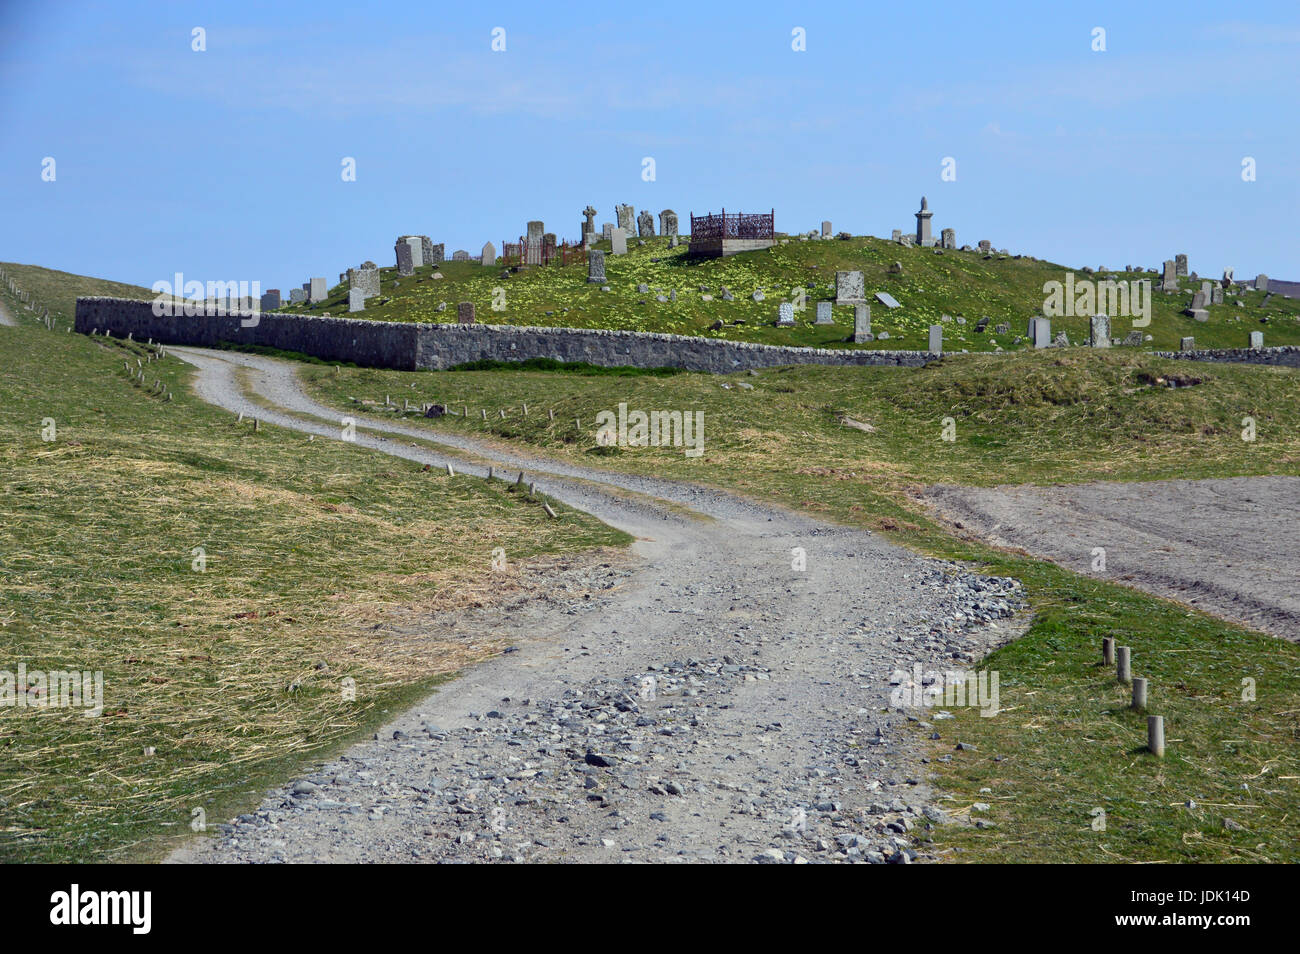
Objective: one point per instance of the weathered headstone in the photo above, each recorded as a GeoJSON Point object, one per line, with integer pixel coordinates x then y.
{"type": "Point", "coordinates": [1256, 340]}
{"type": "Point", "coordinates": [535, 229]}
{"type": "Point", "coordinates": [618, 242]}
{"type": "Point", "coordinates": [824, 313]}
{"type": "Point", "coordinates": [784, 314]}
{"type": "Point", "coordinates": [435, 253]}
{"type": "Point", "coordinates": [317, 291]}
{"type": "Point", "coordinates": [1197, 309]}
{"type": "Point", "coordinates": [1216, 294]}
{"type": "Point", "coordinates": [887, 300]}
{"type": "Point", "coordinates": [1180, 266]}
{"type": "Point", "coordinates": [673, 241]}
{"type": "Point", "coordinates": [460, 255]}
{"type": "Point", "coordinates": [850, 287]}
{"type": "Point", "coordinates": [297, 295]}
{"type": "Point", "coordinates": [936, 339]}
{"type": "Point", "coordinates": [1099, 331]}
{"type": "Point", "coordinates": [949, 237]}
{"type": "Point", "coordinates": [596, 267]}
{"type": "Point", "coordinates": [1040, 332]}
{"type": "Point", "coordinates": [1186, 344]}
{"type": "Point", "coordinates": [896, 235]}
{"type": "Point", "coordinates": [826, 229]}
{"type": "Point", "coordinates": [488, 256]}
{"type": "Point", "coordinates": [862, 323]}
{"type": "Point", "coordinates": [607, 231]}
{"type": "Point", "coordinates": [645, 224]}
{"type": "Point", "coordinates": [356, 300]}
{"type": "Point", "coordinates": [1261, 283]}
{"type": "Point", "coordinates": [405, 260]}
{"type": "Point", "coordinates": [588, 225]}
{"type": "Point", "coordinates": [1169, 280]}
{"type": "Point", "coordinates": [626, 216]}
{"type": "Point", "coordinates": [667, 222]}
{"type": "Point", "coordinates": [465, 313]}
{"type": "Point", "coordinates": [366, 280]}
{"type": "Point", "coordinates": [271, 300]}
{"type": "Point", "coordinates": [1132, 340]}
{"type": "Point", "coordinates": [985, 245]}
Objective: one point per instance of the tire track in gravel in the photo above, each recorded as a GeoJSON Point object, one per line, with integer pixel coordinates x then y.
{"type": "Point", "coordinates": [710, 704]}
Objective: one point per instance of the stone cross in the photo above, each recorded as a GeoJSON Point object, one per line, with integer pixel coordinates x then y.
{"type": "Point", "coordinates": [588, 226]}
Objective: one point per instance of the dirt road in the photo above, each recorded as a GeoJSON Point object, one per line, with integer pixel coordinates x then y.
{"type": "Point", "coordinates": [713, 703]}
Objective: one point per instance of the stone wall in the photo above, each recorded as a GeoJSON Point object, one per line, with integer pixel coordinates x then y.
{"type": "Point", "coordinates": [379, 344]}
{"type": "Point", "coordinates": [1282, 355]}
{"type": "Point", "coordinates": [409, 347]}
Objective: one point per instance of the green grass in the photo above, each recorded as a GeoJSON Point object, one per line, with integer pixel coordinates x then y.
{"type": "Point", "coordinates": [324, 562]}
{"type": "Point", "coordinates": [969, 284]}
{"type": "Point", "coordinates": [1066, 742]}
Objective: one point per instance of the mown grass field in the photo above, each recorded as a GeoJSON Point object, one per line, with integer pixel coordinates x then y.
{"type": "Point", "coordinates": [1065, 743]}
{"type": "Point", "coordinates": [967, 284]}
{"type": "Point", "coordinates": [323, 565]}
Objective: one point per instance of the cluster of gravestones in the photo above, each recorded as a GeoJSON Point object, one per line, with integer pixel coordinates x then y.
{"type": "Point", "coordinates": [923, 238]}
{"type": "Point", "coordinates": [628, 224]}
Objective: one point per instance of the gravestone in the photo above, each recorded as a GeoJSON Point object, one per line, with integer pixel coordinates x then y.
{"type": "Point", "coordinates": [1207, 290]}
{"type": "Point", "coordinates": [356, 300]}
{"type": "Point", "coordinates": [435, 253]}
{"type": "Point", "coordinates": [850, 287]}
{"type": "Point", "coordinates": [1197, 309]}
{"type": "Point", "coordinates": [460, 255]}
{"type": "Point", "coordinates": [417, 249]}
{"type": "Point", "coordinates": [896, 235]}
{"type": "Point", "coordinates": [936, 339]}
{"type": "Point", "coordinates": [673, 241]}
{"type": "Point", "coordinates": [1186, 344]}
{"type": "Point", "coordinates": [923, 216]}
{"type": "Point", "coordinates": [405, 261]}
{"type": "Point", "coordinates": [366, 280]}
{"type": "Point", "coordinates": [626, 219]}
{"type": "Point", "coordinates": [1040, 332]}
{"type": "Point", "coordinates": [1132, 340]}
{"type": "Point", "coordinates": [887, 300]}
{"type": "Point", "coordinates": [465, 313]}
{"type": "Point", "coordinates": [1256, 340]}
{"type": "Point", "coordinates": [826, 229]}
{"type": "Point", "coordinates": [667, 222]}
{"type": "Point", "coordinates": [488, 256]}
{"type": "Point", "coordinates": [607, 231]}
{"type": "Point", "coordinates": [645, 224]}
{"type": "Point", "coordinates": [317, 291]}
{"type": "Point", "coordinates": [535, 230]}
{"type": "Point", "coordinates": [784, 315]}
{"type": "Point", "coordinates": [1227, 278]}
{"type": "Point", "coordinates": [271, 300]}
{"type": "Point", "coordinates": [1180, 266]}
{"type": "Point", "coordinates": [949, 238]}
{"type": "Point", "coordinates": [985, 245]}
{"type": "Point", "coordinates": [1216, 294]}
{"type": "Point", "coordinates": [824, 313]}
{"type": "Point", "coordinates": [1099, 331]}
{"type": "Point", "coordinates": [588, 225]}
{"type": "Point", "coordinates": [618, 241]}
{"type": "Point", "coordinates": [1261, 283]}
{"type": "Point", "coordinates": [297, 295]}
{"type": "Point", "coordinates": [862, 322]}
{"type": "Point", "coordinates": [1169, 281]}
{"type": "Point", "coordinates": [595, 267]}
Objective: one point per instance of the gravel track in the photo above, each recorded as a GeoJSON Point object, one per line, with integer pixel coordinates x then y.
{"type": "Point", "coordinates": [1228, 546]}
{"type": "Point", "coordinates": [706, 703]}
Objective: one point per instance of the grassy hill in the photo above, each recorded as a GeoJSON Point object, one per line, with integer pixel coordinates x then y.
{"type": "Point", "coordinates": [955, 283]}
{"type": "Point", "coordinates": [58, 291]}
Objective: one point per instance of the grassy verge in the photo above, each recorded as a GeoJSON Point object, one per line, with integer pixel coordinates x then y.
{"type": "Point", "coordinates": [856, 445]}
{"type": "Point", "coordinates": [322, 568]}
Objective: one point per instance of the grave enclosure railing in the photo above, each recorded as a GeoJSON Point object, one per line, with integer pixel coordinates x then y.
{"type": "Point", "coordinates": [525, 252]}
{"type": "Point", "coordinates": [737, 225]}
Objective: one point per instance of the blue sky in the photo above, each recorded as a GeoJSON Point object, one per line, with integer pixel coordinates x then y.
{"type": "Point", "coordinates": [225, 164]}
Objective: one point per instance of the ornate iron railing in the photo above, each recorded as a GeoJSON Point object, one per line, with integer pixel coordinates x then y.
{"type": "Point", "coordinates": [737, 225]}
